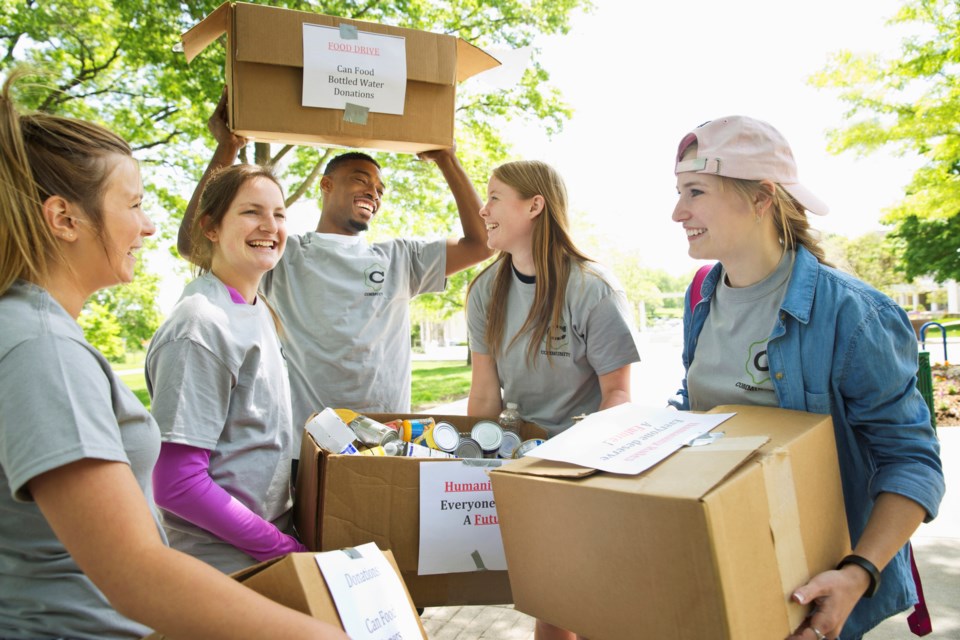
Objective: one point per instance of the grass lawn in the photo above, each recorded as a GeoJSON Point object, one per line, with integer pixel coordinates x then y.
{"type": "Point", "coordinates": [433, 382]}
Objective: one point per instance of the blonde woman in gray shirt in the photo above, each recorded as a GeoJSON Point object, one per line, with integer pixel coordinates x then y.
{"type": "Point", "coordinates": [82, 554]}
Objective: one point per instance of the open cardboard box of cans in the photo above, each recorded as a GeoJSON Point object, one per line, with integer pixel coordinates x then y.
{"type": "Point", "coordinates": [345, 500]}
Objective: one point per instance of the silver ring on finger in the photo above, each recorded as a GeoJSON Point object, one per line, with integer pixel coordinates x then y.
{"type": "Point", "coordinates": [820, 635]}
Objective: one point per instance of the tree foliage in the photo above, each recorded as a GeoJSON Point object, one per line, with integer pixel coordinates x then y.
{"type": "Point", "coordinates": [114, 62]}
{"type": "Point", "coordinates": [911, 103]}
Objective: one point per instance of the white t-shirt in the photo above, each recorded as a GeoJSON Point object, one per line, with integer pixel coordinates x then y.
{"type": "Point", "coordinates": [60, 402]}
{"type": "Point", "coordinates": [345, 310]}
{"type": "Point", "coordinates": [596, 338]}
{"type": "Point", "coordinates": [217, 380]}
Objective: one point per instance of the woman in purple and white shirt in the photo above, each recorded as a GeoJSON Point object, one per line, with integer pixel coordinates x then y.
{"type": "Point", "coordinates": [218, 384]}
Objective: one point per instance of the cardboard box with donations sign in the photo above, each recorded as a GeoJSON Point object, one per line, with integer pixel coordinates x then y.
{"type": "Point", "coordinates": [347, 500]}
{"type": "Point", "coordinates": [709, 543]}
{"type": "Point", "coordinates": [306, 78]}
{"type": "Point", "coordinates": [296, 581]}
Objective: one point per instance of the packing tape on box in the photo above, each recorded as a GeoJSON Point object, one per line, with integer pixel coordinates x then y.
{"type": "Point", "coordinates": [349, 32]}
{"type": "Point", "coordinates": [355, 114]}
{"type": "Point", "coordinates": [478, 560]}
{"type": "Point", "coordinates": [784, 524]}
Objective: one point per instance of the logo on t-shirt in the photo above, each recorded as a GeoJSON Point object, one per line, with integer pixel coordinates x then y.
{"type": "Point", "coordinates": [373, 277]}
{"type": "Point", "coordinates": [757, 367]}
{"type": "Point", "coordinates": [557, 342]}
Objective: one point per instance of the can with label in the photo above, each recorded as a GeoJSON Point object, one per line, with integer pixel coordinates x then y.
{"type": "Point", "coordinates": [374, 451]}
{"type": "Point", "coordinates": [510, 443]}
{"type": "Point", "coordinates": [468, 448]}
{"type": "Point", "coordinates": [414, 450]}
{"type": "Point", "coordinates": [369, 431]}
{"type": "Point", "coordinates": [527, 446]}
{"type": "Point", "coordinates": [414, 428]}
{"type": "Point", "coordinates": [489, 435]}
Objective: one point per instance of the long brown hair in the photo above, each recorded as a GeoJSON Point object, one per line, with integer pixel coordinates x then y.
{"type": "Point", "coordinates": [553, 254]}
{"type": "Point", "coordinates": [42, 155]}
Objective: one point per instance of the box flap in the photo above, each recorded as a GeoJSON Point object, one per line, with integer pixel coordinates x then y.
{"type": "Point", "coordinates": [690, 472]}
{"type": "Point", "coordinates": [206, 31]}
{"type": "Point", "coordinates": [471, 60]}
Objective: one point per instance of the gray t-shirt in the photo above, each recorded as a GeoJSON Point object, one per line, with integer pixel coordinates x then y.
{"type": "Point", "coordinates": [59, 403]}
{"type": "Point", "coordinates": [217, 381]}
{"type": "Point", "coordinates": [596, 338]}
{"type": "Point", "coordinates": [730, 366]}
{"type": "Point", "coordinates": [345, 309]}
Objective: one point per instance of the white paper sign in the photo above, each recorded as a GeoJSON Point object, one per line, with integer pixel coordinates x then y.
{"type": "Point", "coordinates": [369, 595]}
{"type": "Point", "coordinates": [627, 438]}
{"type": "Point", "coordinates": [459, 529]}
{"type": "Point", "coordinates": [369, 71]}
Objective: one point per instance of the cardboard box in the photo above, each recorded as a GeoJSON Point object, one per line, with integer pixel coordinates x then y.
{"type": "Point", "coordinates": [348, 500]}
{"type": "Point", "coordinates": [707, 544]}
{"type": "Point", "coordinates": [295, 581]}
{"type": "Point", "coordinates": [264, 76]}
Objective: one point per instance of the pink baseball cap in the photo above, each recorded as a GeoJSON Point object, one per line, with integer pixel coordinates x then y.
{"type": "Point", "coordinates": [749, 149]}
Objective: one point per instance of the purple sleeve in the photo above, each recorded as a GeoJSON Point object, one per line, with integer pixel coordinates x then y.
{"type": "Point", "coordinates": [182, 485]}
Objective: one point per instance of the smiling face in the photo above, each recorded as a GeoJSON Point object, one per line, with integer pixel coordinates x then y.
{"type": "Point", "coordinates": [719, 222]}
{"type": "Point", "coordinates": [509, 218]}
{"type": "Point", "coordinates": [110, 258]}
{"type": "Point", "coordinates": [351, 197]}
{"type": "Point", "coordinates": [251, 237]}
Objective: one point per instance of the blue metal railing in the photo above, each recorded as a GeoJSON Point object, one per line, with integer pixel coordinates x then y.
{"type": "Point", "coordinates": [943, 334]}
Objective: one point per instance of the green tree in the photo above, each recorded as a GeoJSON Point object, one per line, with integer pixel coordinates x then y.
{"type": "Point", "coordinates": [133, 306]}
{"type": "Point", "coordinates": [911, 103]}
{"type": "Point", "coordinates": [102, 330]}
{"type": "Point", "coordinates": [874, 257]}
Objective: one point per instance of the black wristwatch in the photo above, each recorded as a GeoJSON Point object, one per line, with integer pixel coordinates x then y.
{"type": "Point", "coordinates": [867, 566]}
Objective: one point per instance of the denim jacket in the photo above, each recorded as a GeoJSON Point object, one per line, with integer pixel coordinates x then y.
{"type": "Point", "coordinates": [843, 348]}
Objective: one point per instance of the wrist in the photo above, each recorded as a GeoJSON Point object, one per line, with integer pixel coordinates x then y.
{"type": "Point", "coordinates": [867, 567]}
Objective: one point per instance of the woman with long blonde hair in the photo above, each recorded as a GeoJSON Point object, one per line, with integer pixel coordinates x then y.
{"type": "Point", "coordinates": [82, 552]}
{"type": "Point", "coordinates": [549, 329]}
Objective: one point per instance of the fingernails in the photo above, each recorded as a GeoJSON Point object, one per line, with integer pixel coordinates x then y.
{"type": "Point", "coordinates": [799, 597]}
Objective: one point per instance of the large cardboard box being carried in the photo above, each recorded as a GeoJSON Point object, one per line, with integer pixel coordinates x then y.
{"type": "Point", "coordinates": [264, 75]}
{"type": "Point", "coordinates": [708, 544]}
{"type": "Point", "coordinates": [348, 500]}
{"type": "Point", "coordinates": [295, 581]}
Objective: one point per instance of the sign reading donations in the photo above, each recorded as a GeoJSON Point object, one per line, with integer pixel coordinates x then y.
{"type": "Point", "coordinates": [369, 595]}
{"type": "Point", "coordinates": [459, 528]}
{"type": "Point", "coordinates": [349, 69]}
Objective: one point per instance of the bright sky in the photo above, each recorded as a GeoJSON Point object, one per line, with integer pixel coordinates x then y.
{"type": "Point", "coordinates": [640, 75]}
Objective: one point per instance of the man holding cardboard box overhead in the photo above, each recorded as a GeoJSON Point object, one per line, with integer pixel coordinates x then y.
{"type": "Point", "coordinates": [344, 304]}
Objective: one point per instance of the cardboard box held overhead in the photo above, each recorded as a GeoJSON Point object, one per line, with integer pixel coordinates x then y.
{"type": "Point", "coordinates": [348, 500]}
{"type": "Point", "coordinates": [295, 581]}
{"type": "Point", "coordinates": [264, 75]}
{"type": "Point", "coordinates": [708, 544]}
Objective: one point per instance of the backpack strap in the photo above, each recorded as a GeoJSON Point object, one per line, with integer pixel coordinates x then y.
{"type": "Point", "coordinates": [698, 278]}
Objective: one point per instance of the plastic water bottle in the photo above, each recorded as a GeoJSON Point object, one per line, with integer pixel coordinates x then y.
{"type": "Point", "coordinates": [510, 418]}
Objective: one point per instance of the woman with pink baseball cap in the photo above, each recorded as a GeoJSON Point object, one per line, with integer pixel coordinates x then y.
{"type": "Point", "coordinates": [776, 325]}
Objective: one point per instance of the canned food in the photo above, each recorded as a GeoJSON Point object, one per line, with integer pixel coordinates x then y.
{"type": "Point", "coordinates": [527, 446]}
{"type": "Point", "coordinates": [368, 431]}
{"type": "Point", "coordinates": [445, 437]}
{"type": "Point", "coordinates": [414, 450]}
{"type": "Point", "coordinates": [468, 448]}
{"type": "Point", "coordinates": [414, 428]}
{"type": "Point", "coordinates": [374, 451]}
{"type": "Point", "coordinates": [489, 435]}
{"type": "Point", "coordinates": [396, 425]}
{"type": "Point", "coordinates": [510, 443]}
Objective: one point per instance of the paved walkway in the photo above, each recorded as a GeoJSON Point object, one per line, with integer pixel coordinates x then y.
{"type": "Point", "coordinates": [937, 545]}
